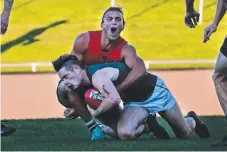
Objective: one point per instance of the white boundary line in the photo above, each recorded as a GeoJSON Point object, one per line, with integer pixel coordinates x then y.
{"type": "Point", "coordinates": [201, 3]}
{"type": "Point", "coordinates": [112, 3]}
{"type": "Point", "coordinates": [34, 65]}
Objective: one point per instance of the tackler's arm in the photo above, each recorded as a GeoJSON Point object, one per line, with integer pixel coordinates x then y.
{"type": "Point", "coordinates": [103, 83]}
{"type": "Point", "coordinates": [134, 62]}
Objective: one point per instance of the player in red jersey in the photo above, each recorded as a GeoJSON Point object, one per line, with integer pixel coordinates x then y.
{"type": "Point", "coordinates": [148, 94]}
{"type": "Point", "coordinates": [103, 46]}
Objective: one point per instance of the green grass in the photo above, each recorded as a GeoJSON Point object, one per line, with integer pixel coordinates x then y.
{"type": "Point", "coordinates": [156, 28]}
{"type": "Point", "coordinates": [62, 134]}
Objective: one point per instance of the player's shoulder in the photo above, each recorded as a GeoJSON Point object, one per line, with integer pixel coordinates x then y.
{"type": "Point", "coordinates": [82, 37]}
{"type": "Point", "coordinates": [86, 36]}
{"type": "Point", "coordinates": [128, 48]}
{"type": "Point", "coordinates": [81, 42]}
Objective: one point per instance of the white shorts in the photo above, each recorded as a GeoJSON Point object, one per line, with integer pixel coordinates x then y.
{"type": "Point", "coordinates": [160, 100]}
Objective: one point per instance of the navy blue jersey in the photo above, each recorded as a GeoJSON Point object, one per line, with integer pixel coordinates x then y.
{"type": "Point", "coordinates": [121, 66]}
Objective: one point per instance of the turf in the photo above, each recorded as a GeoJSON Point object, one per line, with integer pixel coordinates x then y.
{"type": "Point", "coordinates": [40, 31]}
{"type": "Point", "coordinates": [62, 134]}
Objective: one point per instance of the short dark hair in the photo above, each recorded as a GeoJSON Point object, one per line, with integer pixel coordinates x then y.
{"type": "Point", "coordinates": [112, 8]}
{"type": "Point", "coordinates": [65, 59]}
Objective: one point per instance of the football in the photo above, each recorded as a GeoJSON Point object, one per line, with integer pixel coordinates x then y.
{"type": "Point", "coordinates": [93, 98]}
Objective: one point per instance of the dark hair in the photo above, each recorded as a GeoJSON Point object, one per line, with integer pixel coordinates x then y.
{"type": "Point", "coordinates": [66, 58]}
{"type": "Point", "coordinates": [112, 8]}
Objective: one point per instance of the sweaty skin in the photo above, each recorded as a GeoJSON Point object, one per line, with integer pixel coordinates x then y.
{"type": "Point", "coordinates": [102, 80]}
{"type": "Point", "coordinates": [128, 53]}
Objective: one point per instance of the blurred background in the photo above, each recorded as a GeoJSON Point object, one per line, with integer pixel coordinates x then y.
{"type": "Point", "coordinates": [41, 30]}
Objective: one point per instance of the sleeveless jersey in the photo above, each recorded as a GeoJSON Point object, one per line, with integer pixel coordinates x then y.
{"type": "Point", "coordinates": [95, 53]}
{"type": "Point", "coordinates": [123, 70]}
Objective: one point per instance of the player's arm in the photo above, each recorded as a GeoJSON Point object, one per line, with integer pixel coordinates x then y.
{"type": "Point", "coordinates": [220, 12]}
{"type": "Point", "coordinates": [134, 62]}
{"type": "Point", "coordinates": [192, 17]}
{"type": "Point", "coordinates": [78, 105]}
{"type": "Point", "coordinates": [102, 80]}
{"type": "Point", "coordinates": [79, 49]}
{"type": "Point", "coordinates": [189, 5]}
{"type": "Point", "coordinates": [80, 46]}
{"type": "Point", "coordinates": [8, 4]}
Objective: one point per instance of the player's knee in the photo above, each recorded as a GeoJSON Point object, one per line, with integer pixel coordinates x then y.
{"type": "Point", "coordinates": [220, 67]}
{"type": "Point", "coordinates": [223, 49]}
{"type": "Point", "coordinates": [217, 77]}
{"type": "Point", "coordinates": [62, 95]}
{"type": "Point", "coordinates": [183, 133]}
{"type": "Point", "coordinates": [126, 134]}
{"type": "Point", "coordinates": [214, 76]}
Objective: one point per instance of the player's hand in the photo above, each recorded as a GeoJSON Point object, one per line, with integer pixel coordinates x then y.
{"type": "Point", "coordinates": [209, 30]}
{"type": "Point", "coordinates": [191, 18]}
{"type": "Point", "coordinates": [4, 22]}
{"type": "Point", "coordinates": [92, 111]}
{"type": "Point", "coordinates": [69, 113]}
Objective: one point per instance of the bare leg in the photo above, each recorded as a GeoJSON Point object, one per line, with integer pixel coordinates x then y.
{"type": "Point", "coordinates": [109, 131]}
{"type": "Point", "coordinates": [62, 95]}
{"type": "Point", "coordinates": [110, 119]}
{"type": "Point", "coordinates": [181, 126]}
{"type": "Point", "coordinates": [220, 82]}
{"type": "Point", "coordinates": [130, 125]}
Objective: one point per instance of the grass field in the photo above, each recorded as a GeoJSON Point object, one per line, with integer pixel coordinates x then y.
{"type": "Point", "coordinates": [40, 30]}
{"type": "Point", "coordinates": [62, 134]}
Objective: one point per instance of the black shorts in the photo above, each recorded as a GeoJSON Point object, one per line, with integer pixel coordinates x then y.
{"type": "Point", "coordinates": [224, 48]}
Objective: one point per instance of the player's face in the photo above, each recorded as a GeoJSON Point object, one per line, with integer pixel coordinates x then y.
{"type": "Point", "coordinates": [113, 24]}
{"type": "Point", "coordinates": [71, 77]}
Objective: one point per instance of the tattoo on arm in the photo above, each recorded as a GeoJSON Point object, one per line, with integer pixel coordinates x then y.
{"type": "Point", "coordinates": [103, 83]}
{"type": "Point", "coordinates": [112, 98]}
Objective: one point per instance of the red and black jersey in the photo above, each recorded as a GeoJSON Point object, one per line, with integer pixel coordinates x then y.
{"type": "Point", "coordinates": [95, 54]}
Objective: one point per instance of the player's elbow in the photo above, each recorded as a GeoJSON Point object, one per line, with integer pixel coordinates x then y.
{"type": "Point", "coordinates": [115, 101]}
{"type": "Point", "coordinates": [140, 66]}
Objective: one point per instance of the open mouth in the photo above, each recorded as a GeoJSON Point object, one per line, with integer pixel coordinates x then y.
{"type": "Point", "coordinates": [113, 30]}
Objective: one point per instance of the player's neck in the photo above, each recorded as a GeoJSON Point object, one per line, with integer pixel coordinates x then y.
{"type": "Point", "coordinates": [85, 80]}
{"type": "Point", "coordinates": [107, 44]}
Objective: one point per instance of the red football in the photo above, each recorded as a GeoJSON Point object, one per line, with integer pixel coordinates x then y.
{"type": "Point", "coordinates": [93, 98]}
